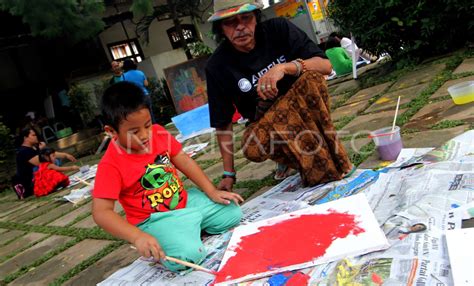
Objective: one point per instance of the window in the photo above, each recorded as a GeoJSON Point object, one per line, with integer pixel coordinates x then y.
{"type": "Point", "coordinates": [189, 32]}
{"type": "Point", "coordinates": [126, 50]}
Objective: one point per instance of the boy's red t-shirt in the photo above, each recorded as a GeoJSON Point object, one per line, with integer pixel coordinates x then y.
{"type": "Point", "coordinates": [142, 183]}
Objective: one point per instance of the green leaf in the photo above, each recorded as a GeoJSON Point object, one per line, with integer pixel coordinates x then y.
{"type": "Point", "coordinates": [75, 20]}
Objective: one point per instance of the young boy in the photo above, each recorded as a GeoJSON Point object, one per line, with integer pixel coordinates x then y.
{"type": "Point", "coordinates": [139, 170]}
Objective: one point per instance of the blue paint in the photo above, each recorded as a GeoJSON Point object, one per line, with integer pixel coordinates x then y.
{"type": "Point", "coordinates": [351, 188]}
{"type": "Point", "coordinates": [280, 279]}
{"type": "Point", "coordinates": [454, 206]}
{"type": "Point", "coordinates": [193, 121]}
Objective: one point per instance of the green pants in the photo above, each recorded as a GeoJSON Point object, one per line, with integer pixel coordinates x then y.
{"type": "Point", "coordinates": [179, 231]}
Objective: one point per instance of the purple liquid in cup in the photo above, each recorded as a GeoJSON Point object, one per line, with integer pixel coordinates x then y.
{"type": "Point", "coordinates": [390, 151]}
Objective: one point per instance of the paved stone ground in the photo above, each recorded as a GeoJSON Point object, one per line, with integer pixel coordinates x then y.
{"type": "Point", "coordinates": [46, 241]}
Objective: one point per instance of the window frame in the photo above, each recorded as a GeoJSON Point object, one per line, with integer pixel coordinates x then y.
{"type": "Point", "coordinates": [129, 42]}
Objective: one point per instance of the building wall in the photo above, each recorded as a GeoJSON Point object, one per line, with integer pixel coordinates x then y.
{"type": "Point", "coordinates": [159, 53]}
{"type": "Point", "coordinates": [159, 41]}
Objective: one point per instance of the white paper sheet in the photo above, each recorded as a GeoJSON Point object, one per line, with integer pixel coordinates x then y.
{"type": "Point", "coordinates": [372, 239]}
{"type": "Point", "coordinates": [461, 255]}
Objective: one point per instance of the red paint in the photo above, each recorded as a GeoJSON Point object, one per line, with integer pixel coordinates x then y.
{"type": "Point", "coordinates": [377, 279]}
{"type": "Point", "coordinates": [298, 279]}
{"type": "Point", "coordinates": [294, 241]}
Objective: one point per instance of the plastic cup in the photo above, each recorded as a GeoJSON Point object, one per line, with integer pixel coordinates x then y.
{"type": "Point", "coordinates": [463, 92]}
{"type": "Point", "coordinates": [388, 143]}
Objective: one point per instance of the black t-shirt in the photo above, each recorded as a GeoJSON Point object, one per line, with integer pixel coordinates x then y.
{"type": "Point", "coordinates": [232, 75]}
{"type": "Point", "coordinates": [24, 169]}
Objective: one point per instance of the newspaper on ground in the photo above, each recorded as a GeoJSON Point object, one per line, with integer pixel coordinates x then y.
{"type": "Point", "coordinates": [415, 206]}
{"type": "Point", "coordinates": [77, 177]}
{"type": "Point", "coordinates": [145, 272]}
{"type": "Point", "coordinates": [79, 195]}
{"type": "Point", "coordinates": [181, 138]}
{"type": "Point", "coordinates": [192, 150]}
{"type": "Point", "coordinates": [408, 154]}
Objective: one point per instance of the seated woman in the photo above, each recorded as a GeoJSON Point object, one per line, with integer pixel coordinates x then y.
{"type": "Point", "coordinates": [340, 60]}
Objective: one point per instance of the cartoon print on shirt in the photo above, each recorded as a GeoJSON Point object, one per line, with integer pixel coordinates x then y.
{"type": "Point", "coordinates": [161, 186]}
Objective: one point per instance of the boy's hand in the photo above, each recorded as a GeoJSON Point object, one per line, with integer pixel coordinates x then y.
{"type": "Point", "coordinates": [75, 168]}
{"type": "Point", "coordinates": [148, 246]}
{"type": "Point", "coordinates": [223, 197]}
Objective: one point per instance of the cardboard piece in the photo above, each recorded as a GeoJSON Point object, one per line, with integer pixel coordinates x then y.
{"type": "Point", "coordinates": [461, 252]}
{"type": "Point", "coordinates": [193, 121]}
{"type": "Point", "coordinates": [329, 232]}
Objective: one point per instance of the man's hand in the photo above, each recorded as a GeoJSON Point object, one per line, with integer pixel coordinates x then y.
{"type": "Point", "coordinates": [223, 197]}
{"type": "Point", "coordinates": [226, 184]}
{"type": "Point", "coordinates": [41, 145]}
{"type": "Point", "coordinates": [148, 246]}
{"type": "Point", "coordinates": [267, 84]}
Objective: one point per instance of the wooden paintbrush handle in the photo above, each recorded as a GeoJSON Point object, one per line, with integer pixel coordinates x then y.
{"type": "Point", "coordinates": [189, 264]}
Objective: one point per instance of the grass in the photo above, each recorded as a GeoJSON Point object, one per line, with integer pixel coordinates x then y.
{"type": "Point", "coordinates": [423, 99]}
{"type": "Point", "coordinates": [208, 163]}
{"type": "Point", "coordinates": [79, 218]}
{"type": "Point", "coordinates": [343, 121]}
{"type": "Point", "coordinates": [385, 73]}
{"type": "Point", "coordinates": [94, 233]}
{"type": "Point", "coordinates": [447, 124]}
{"type": "Point", "coordinates": [363, 154]}
{"type": "Point", "coordinates": [344, 97]}
{"type": "Point", "coordinates": [409, 130]}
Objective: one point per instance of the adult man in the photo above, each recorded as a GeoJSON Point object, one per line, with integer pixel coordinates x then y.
{"type": "Point", "coordinates": [273, 73]}
{"type": "Point", "coordinates": [117, 72]}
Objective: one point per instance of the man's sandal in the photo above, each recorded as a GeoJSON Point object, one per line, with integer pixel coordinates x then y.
{"type": "Point", "coordinates": [348, 174]}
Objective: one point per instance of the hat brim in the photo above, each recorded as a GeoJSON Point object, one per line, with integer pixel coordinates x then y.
{"type": "Point", "coordinates": [244, 8]}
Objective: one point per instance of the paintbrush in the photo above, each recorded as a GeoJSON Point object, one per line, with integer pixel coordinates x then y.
{"type": "Point", "coordinates": [189, 264]}
{"type": "Point", "coordinates": [185, 263]}
{"type": "Point", "coordinates": [83, 181]}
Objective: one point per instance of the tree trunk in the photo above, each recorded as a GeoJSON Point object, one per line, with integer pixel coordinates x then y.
{"type": "Point", "coordinates": [179, 29]}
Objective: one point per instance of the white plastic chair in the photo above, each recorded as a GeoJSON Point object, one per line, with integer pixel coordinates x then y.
{"type": "Point", "coordinates": [59, 126]}
{"type": "Point", "coordinates": [47, 137]}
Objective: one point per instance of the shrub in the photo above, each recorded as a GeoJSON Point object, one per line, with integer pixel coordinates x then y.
{"type": "Point", "coordinates": [406, 29]}
{"type": "Point", "coordinates": [6, 142]}
{"type": "Point", "coordinates": [162, 103]}
{"type": "Point", "coordinates": [81, 101]}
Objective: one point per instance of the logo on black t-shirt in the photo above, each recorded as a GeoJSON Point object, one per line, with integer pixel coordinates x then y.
{"type": "Point", "coordinates": [245, 85]}
{"type": "Point", "coordinates": [255, 77]}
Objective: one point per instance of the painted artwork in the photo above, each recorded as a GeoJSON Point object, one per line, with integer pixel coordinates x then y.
{"type": "Point", "coordinates": [316, 10]}
{"type": "Point", "coordinates": [293, 8]}
{"type": "Point", "coordinates": [290, 9]}
{"type": "Point", "coordinates": [187, 84]}
{"type": "Point", "coordinates": [304, 238]}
